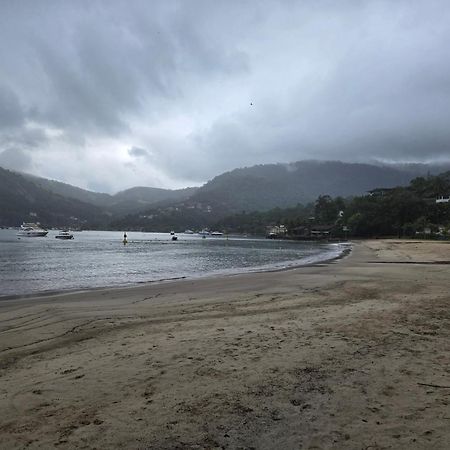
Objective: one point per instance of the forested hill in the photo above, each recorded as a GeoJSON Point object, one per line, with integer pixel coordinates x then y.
{"type": "Point", "coordinates": [257, 188]}
{"type": "Point", "coordinates": [260, 188]}
{"type": "Point", "coordinates": [410, 211]}
{"type": "Point", "coordinates": [22, 200]}
{"type": "Point", "coordinates": [124, 202]}
{"type": "Point", "coordinates": [67, 190]}
{"type": "Point", "coordinates": [267, 186]}
{"type": "Point", "coordinates": [141, 198]}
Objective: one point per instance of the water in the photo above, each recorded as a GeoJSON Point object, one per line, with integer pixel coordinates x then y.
{"type": "Point", "coordinates": [99, 259]}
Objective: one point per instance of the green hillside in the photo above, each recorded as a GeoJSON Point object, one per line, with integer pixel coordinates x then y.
{"type": "Point", "coordinates": [22, 200]}
{"type": "Point", "coordinates": [410, 211]}
{"type": "Point", "coordinates": [124, 202]}
{"type": "Point", "coordinates": [263, 187]}
{"type": "Point", "coordinates": [268, 186]}
{"type": "Point", "coordinates": [238, 192]}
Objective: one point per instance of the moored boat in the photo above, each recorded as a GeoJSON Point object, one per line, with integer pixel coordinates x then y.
{"type": "Point", "coordinates": [30, 229]}
{"type": "Point", "coordinates": [64, 234]}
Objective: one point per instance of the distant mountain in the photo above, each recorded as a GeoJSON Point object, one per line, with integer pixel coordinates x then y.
{"type": "Point", "coordinates": [263, 187]}
{"type": "Point", "coordinates": [141, 198]}
{"type": "Point", "coordinates": [67, 190]}
{"type": "Point", "coordinates": [25, 197]}
{"type": "Point", "coordinates": [257, 188]}
{"type": "Point", "coordinates": [22, 200]}
{"type": "Point", "coordinates": [124, 202]}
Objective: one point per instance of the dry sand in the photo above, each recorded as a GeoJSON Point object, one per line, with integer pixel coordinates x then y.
{"type": "Point", "coordinates": [348, 355]}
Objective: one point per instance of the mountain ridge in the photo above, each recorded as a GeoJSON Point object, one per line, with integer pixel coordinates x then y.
{"type": "Point", "coordinates": [123, 202]}
{"type": "Point", "coordinates": [22, 200]}
{"type": "Point", "coordinates": [267, 186]}
{"type": "Point", "coordinates": [256, 188]}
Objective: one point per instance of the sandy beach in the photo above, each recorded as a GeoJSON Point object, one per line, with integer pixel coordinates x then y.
{"type": "Point", "coordinates": [353, 354]}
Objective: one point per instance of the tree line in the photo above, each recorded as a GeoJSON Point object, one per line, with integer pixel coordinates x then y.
{"type": "Point", "coordinates": [402, 211]}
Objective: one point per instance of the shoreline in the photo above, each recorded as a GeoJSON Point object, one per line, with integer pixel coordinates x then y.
{"type": "Point", "coordinates": [252, 270]}
{"type": "Point", "coordinates": [348, 355]}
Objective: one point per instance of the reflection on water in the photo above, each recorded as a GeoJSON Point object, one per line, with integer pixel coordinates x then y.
{"type": "Point", "coordinates": [99, 258]}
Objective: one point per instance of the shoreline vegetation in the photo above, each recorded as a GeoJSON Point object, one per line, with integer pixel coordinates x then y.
{"type": "Point", "coordinates": [347, 354]}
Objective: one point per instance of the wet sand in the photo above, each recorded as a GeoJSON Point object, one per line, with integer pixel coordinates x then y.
{"type": "Point", "coordinates": [349, 355]}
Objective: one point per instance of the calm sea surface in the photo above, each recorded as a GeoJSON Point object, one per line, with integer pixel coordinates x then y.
{"type": "Point", "coordinates": [99, 259]}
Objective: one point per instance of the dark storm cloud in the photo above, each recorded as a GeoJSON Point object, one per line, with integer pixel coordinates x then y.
{"type": "Point", "coordinates": [209, 86]}
{"type": "Point", "coordinates": [96, 64]}
{"type": "Point", "coordinates": [383, 93]}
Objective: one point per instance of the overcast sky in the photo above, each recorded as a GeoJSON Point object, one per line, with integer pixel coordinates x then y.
{"type": "Point", "coordinates": [112, 94]}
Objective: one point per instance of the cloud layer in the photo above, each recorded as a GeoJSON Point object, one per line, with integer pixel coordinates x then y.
{"type": "Point", "coordinates": [107, 95]}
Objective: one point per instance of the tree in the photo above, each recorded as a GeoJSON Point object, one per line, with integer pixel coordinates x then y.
{"type": "Point", "coordinates": [326, 210]}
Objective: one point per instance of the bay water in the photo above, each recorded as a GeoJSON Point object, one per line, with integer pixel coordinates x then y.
{"type": "Point", "coordinates": [96, 259]}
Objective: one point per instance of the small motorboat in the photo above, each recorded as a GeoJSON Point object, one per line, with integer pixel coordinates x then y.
{"type": "Point", "coordinates": [174, 238]}
{"type": "Point", "coordinates": [64, 234]}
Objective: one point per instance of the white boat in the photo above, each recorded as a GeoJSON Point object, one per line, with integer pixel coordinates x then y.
{"type": "Point", "coordinates": [188, 232]}
{"type": "Point", "coordinates": [204, 233]}
{"type": "Point", "coordinates": [64, 234]}
{"type": "Point", "coordinates": [216, 233]}
{"type": "Point", "coordinates": [30, 229]}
